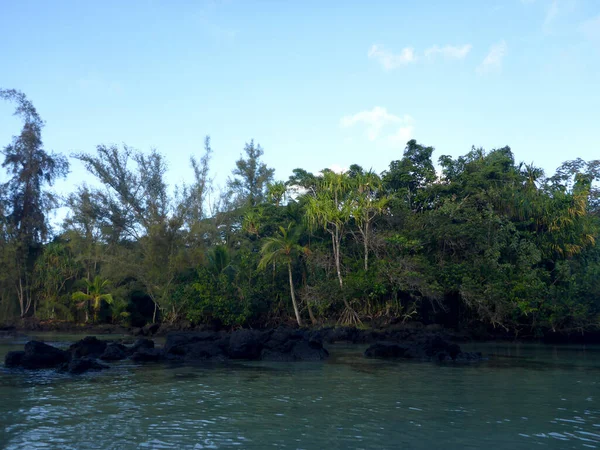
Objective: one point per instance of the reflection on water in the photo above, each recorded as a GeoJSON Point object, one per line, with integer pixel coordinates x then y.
{"type": "Point", "coordinates": [525, 396]}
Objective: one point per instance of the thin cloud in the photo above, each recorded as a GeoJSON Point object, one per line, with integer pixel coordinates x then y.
{"type": "Point", "coordinates": [379, 123]}
{"type": "Point", "coordinates": [493, 60]}
{"type": "Point", "coordinates": [449, 51]}
{"type": "Point", "coordinates": [390, 60]}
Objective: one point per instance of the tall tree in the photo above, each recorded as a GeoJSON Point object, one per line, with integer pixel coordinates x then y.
{"type": "Point", "coordinates": [31, 169]}
{"type": "Point", "coordinates": [413, 172]}
{"type": "Point", "coordinates": [330, 207]}
{"type": "Point", "coordinates": [284, 248]}
{"type": "Point", "coordinates": [250, 177]}
{"type": "Point", "coordinates": [367, 204]}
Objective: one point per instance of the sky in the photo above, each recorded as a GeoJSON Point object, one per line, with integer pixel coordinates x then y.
{"type": "Point", "coordinates": [317, 84]}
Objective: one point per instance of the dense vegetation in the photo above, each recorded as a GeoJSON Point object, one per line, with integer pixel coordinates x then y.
{"type": "Point", "coordinates": [487, 240]}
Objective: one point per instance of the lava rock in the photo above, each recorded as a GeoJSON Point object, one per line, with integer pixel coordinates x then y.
{"type": "Point", "coordinates": [82, 365]}
{"type": "Point", "coordinates": [88, 346]}
{"type": "Point", "coordinates": [197, 346]}
{"type": "Point", "coordinates": [141, 344]}
{"type": "Point", "coordinates": [245, 344]}
{"type": "Point", "coordinates": [14, 359]}
{"type": "Point", "coordinates": [37, 355]}
{"type": "Point", "coordinates": [114, 352]}
{"type": "Point", "coordinates": [285, 344]}
{"type": "Point", "coordinates": [150, 329]}
{"type": "Point", "coordinates": [148, 355]}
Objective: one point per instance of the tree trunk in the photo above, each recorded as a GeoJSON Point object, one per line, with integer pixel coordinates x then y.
{"type": "Point", "coordinates": [293, 294]}
{"type": "Point", "coordinates": [310, 313]}
{"type": "Point", "coordinates": [366, 242]}
{"type": "Point", "coordinates": [154, 314]}
{"type": "Point", "coordinates": [336, 255]}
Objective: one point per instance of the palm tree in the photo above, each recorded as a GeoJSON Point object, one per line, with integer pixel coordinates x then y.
{"type": "Point", "coordinates": [284, 247]}
{"type": "Point", "coordinates": [94, 295]}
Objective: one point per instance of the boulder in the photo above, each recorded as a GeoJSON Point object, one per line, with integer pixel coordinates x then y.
{"type": "Point", "coordinates": [148, 355]}
{"type": "Point", "coordinates": [206, 350]}
{"type": "Point", "coordinates": [14, 359]}
{"type": "Point", "coordinates": [141, 343]}
{"type": "Point", "coordinates": [114, 352]}
{"type": "Point", "coordinates": [88, 346]}
{"type": "Point", "coordinates": [38, 355]}
{"type": "Point", "coordinates": [82, 365]}
{"type": "Point", "coordinates": [197, 346]}
{"type": "Point", "coordinates": [245, 344]}
{"type": "Point", "coordinates": [285, 344]}
{"type": "Point", "coordinates": [150, 329]}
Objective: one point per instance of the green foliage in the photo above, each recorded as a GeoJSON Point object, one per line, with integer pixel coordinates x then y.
{"type": "Point", "coordinates": [488, 239]}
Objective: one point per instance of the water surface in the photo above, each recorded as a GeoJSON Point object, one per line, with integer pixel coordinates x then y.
{"type": "Point", "coordinates": [526, 396]}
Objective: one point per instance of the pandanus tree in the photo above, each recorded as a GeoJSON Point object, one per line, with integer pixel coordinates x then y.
{"type": "Point", "coordinates": [330, 207]}
{"type": "Point", "coordinates": [95, 294]}
{"type": "Point", "coordinates": [368, 202]}
{"type": "Point", "coordinates": [284, 248]}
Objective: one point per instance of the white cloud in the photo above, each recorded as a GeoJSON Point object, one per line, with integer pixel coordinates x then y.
{"type": "Point", "coordinates": [449, 51]}
{"type": "Point", "coordinates": [591, 28]}
{"type": "Point", "coordinates": [379, 120]}
{"type": "Point", "coordinates": [391, 60]}
{"type": "Point", "coordinates": [493, 61]}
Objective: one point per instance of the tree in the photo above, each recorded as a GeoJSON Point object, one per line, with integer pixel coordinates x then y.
{"type": "Point", "coordinates": [94, 294]}
{"type": "Point", "coordinates": [284, 248]}
{"type": "Point", "coordinates": [276, 192]}
{"type": "Point", "coordinates": [330, 208]}
{"type": "Point", "coordinates": [367, 204]}
{"type": "Point", "coordinates": [251, 177]}
{"type": "Point", "coordinates": [413, 172]}
{"type": "Point", "coordinates": [31, 169]}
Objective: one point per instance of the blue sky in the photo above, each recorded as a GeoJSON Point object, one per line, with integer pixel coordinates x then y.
{"type": "Point", "coordinates": [317, 84]}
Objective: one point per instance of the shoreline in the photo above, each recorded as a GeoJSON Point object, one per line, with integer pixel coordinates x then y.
{"type": "Point", "coordinates": [330, 333]}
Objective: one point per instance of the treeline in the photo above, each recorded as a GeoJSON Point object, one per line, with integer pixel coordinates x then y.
{"type": "Point", "coordinates": [486, 241]}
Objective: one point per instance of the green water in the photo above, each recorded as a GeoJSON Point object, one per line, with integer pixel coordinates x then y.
{"type": "Point", "coordinates": [525, 396]}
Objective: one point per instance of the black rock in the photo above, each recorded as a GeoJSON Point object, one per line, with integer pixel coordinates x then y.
{"type": "Point", "coordinates": [14, 359]}
{"type": "Point", "coordinates": [88, 346]}
{"type": "Point", "coordinates": [206, 350]}
{"type": "Point", "coordinates": [197, 346]}
{"type": "Point", "coordinates": [245, 344]}
{"type": "Point", "coordinates": [285, 344]}
{"type": "Point", "coordinates": [114, 352]}
{"type": "Point", "coordinates": [141, 343]}
{"type": "Point", "coordinates": [43, 356]}
{"type": "Point", "coordinates": [150, 329]}
{"type": "Point", "coordinates": [148, 354]}
{"type": "Point", "coordinates": [82, 365]}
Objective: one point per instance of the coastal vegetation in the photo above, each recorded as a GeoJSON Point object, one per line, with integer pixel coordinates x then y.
{"type": "Point", "coordinates": [483, 241]}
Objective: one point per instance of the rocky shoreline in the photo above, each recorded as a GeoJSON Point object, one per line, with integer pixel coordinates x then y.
{"type": "Point", "coordinates": [281, 344]}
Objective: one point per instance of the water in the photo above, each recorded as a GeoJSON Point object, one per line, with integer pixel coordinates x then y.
{"type": "Point", "coordinates": [525, 396]}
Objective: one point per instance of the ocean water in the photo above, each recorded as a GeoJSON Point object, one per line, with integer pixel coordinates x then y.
{"type": "Point", "coordinates": [525, 396]}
